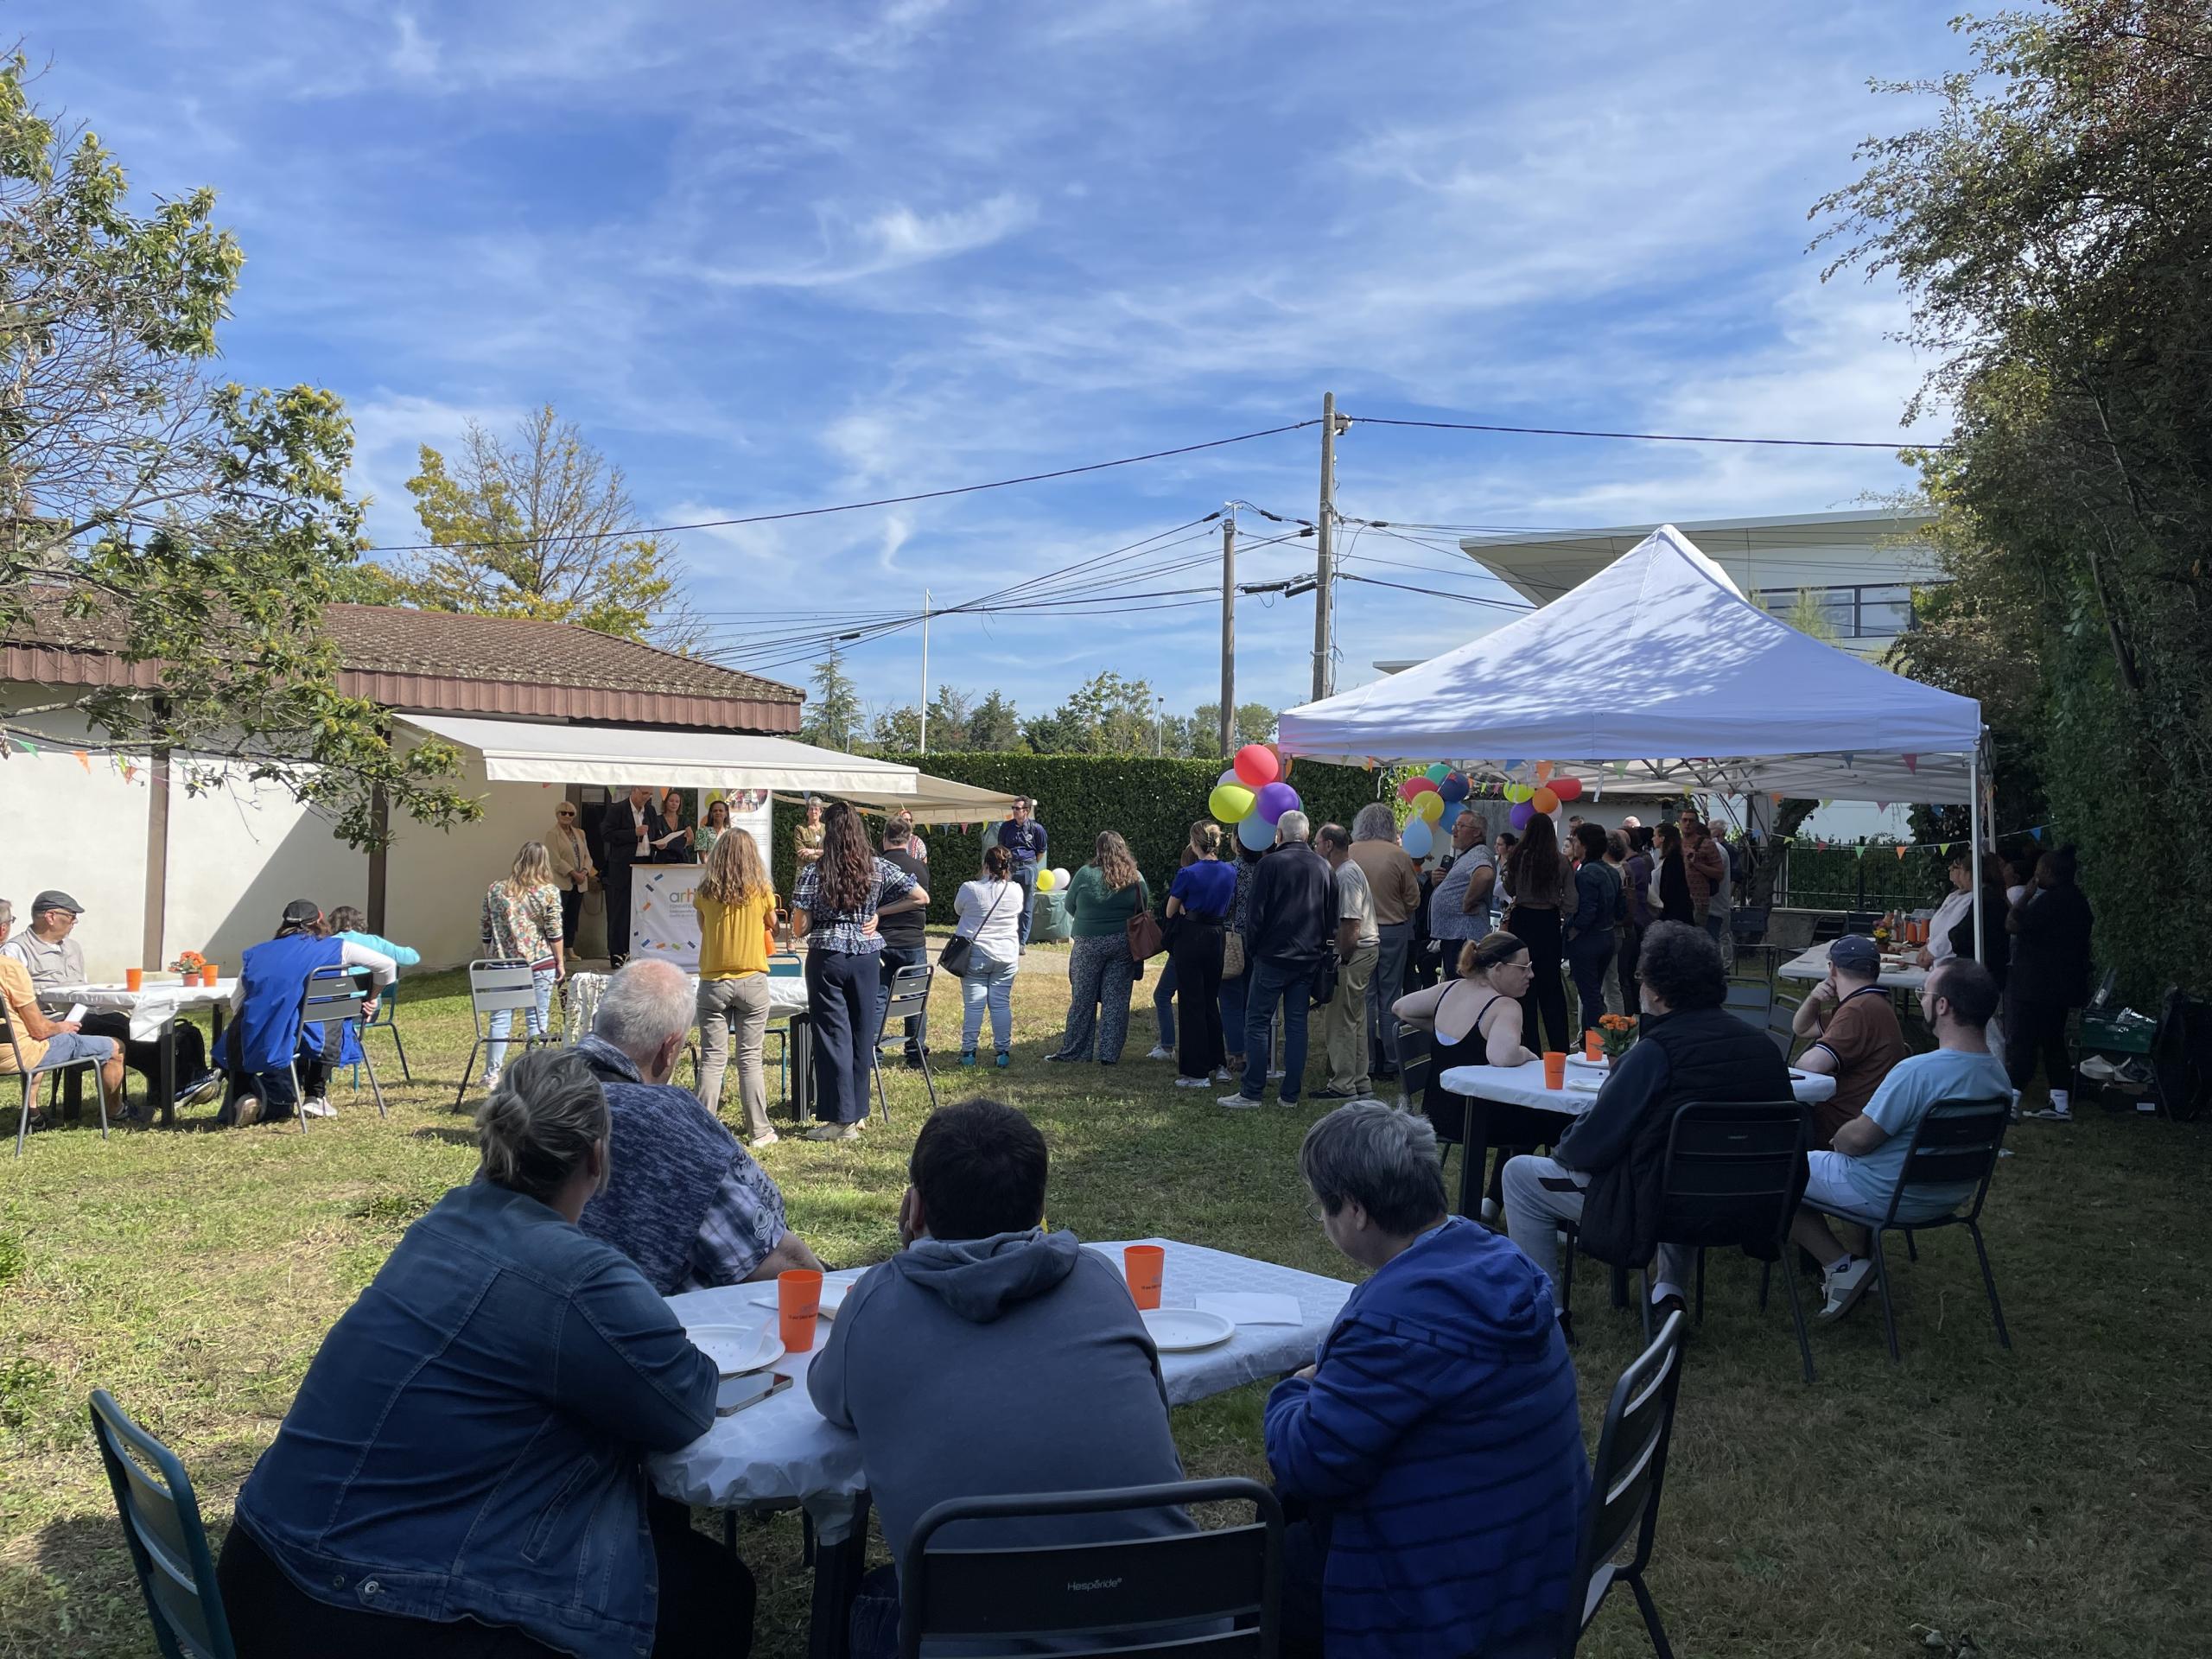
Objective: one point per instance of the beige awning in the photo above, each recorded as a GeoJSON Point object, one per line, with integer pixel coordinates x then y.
{"type": "Point", "coordinates": [935, 800]}
{"type": "Point", "coordinates": [529, 752]}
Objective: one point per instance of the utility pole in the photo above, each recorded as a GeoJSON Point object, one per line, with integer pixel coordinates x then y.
{"type": "Point", "coordinates": [925, 670]}
{"type": "Point", "coordinates": [1228, 628]}
{"type": "Point", "coordinates": [1159, 727]}
{"type": "Point", "coordinates": [1324, 561]}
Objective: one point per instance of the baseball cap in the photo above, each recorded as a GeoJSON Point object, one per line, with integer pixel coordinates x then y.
{"type": "Point", "coordinates": [55, 899]}
{"type": "Point", "coordinates": [1855, 953]}
{"type": "Point", "coordinates": [302, 912]}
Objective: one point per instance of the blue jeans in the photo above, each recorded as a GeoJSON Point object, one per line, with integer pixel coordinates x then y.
{"type": "Point", "coordinates": [65, 1047]}
{"type": "Point", "coordinates": [503, 1021]}
{"type": "Point", "coordinates": [1027, 874]}
{"type": "Point", "coordinates": [1163, 1001]}
{"type": "Point", "coordinates": [1269, 984]}
{"type": "Point", "coordinates": [988, 983]}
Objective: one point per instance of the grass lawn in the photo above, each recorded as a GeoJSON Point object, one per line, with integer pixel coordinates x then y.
{"type": "Point", "coordinates": [2050, 1500]}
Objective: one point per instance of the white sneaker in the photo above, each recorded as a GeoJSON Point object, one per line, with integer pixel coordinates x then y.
{"type": "Point", "coordinates": [833, 1132]}
{"type": "Point", "coordinates": [1240, 1102]}
{"type": "Point", "coordinates": [2051, 1115]}
{"type": "Point", "coordinates": [1226, 1076]}
{"type": "Point", "coordinates": [1194, 1083]}
{"type": "Point", "coordinates": [316, 1106]}
{"type": "Point", "coordinates": [1274, 1076]}
{"type": "Point", "coordinates": [1161, 1051]}
{"type": "Point", "coordinates": [1844, 1286]}
{"type": "Point", "coordinates": [491, 1081]}
{"type": "Point", "coordinates": [768, 1140]}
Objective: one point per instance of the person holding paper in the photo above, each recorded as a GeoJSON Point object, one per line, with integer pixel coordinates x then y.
{"type": "Point", "coordinates": [41, 1043]}
{"type": "Point", "coordinates": [630, 830]}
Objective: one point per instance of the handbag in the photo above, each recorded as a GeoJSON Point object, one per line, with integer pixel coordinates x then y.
{"type": "Point", "coordinates": [1232, 955]}
{"type": "Point", "coordinates": [1146, 938]}
{"type": "Point", "coordinates": [1324, 988]}
{"type": "Point", "coordinates": [954, 958]}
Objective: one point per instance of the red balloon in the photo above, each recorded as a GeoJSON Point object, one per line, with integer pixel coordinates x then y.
{"type": "Point", "coordinates": [1256, 765]}
{"type": "Point", "coordinates": [1567, 789]}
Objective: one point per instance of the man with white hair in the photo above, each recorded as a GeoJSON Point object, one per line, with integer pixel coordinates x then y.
{"type": "Point", "coordinates": [683, 1200]}
{"type": "Point", "coordinates": [1290, 924]}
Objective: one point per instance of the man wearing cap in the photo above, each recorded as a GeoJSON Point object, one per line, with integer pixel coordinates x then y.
{"type": "Point", "coordinates": [266, 1041]}
{"type": "Point", "coordinates": [54, 959]}
{"type": "Point", "coordinates": [1857, 1037]}
{"type": "Point", "coordinates": [40, 1043]}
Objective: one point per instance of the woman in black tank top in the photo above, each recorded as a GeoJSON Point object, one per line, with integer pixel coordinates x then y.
{"type": "Point", "coordinates": [1495, 973]}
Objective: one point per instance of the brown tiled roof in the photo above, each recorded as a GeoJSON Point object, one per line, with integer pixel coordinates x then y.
{"type": "Point", "coordinates": [453, 662]}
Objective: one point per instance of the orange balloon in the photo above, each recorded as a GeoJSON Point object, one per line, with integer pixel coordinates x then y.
{"type": "Point", "coordinates": [1544, 801]}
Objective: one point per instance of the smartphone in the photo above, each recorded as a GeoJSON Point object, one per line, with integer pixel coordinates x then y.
{"type": "Point", "coordinates": [736, 1393]}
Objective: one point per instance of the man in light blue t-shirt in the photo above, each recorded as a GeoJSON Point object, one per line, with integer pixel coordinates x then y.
{"type": "Point", "coordinates": [1958, 1000]}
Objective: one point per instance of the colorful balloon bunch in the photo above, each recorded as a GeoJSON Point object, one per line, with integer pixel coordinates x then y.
{"type": "Point", "coordinates": [1254, 794]}
{"type": "Point", "coordinates": [1051, 880]}
{"type": "Point", "coordinates": [1437, 797]}
{"type": "Point", "coordinates": [1544, 796]}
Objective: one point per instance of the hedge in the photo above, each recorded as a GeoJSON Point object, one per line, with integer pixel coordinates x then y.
{"type": "Point", "coordinates": [1152, 803]}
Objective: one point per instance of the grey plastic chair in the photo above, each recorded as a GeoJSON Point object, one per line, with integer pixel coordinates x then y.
{"type": "Point", "coordinates": [497, 984]}
{"type": "Point", "coordinates": [910, 997]}
{"type": "Point", "coordinates": [31, 1081]}
{"type": "Point", "coordinates": [1625, 1486]}
{"type": "Point", "coordinates": [168, 1545]}
{"type": "Point", "coordinates": [333, 994]}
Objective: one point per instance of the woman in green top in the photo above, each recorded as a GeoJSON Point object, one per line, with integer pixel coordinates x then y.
{"type": "Point", "coordinates": [1101, 898]}
{"type": "Point", "coordinates": [715, 827]}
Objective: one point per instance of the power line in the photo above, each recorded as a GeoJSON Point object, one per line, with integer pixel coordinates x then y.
{"type": "Point", "coordinates": [1647, 437]}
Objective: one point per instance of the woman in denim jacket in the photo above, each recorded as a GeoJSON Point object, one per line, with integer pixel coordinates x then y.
{"type": "Point", "coordinates": [461, 1473]}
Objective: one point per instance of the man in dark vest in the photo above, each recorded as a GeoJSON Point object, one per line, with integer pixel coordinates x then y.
{"type": "Point", "coordinates": [1605, 1173]}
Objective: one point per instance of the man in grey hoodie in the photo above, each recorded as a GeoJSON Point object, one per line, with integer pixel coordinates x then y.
{"type": "Point", "coordinates": [988, 1357]}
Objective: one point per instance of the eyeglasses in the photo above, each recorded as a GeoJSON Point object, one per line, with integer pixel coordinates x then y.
{"type": "Point", "coordinates": [1316, 1211]}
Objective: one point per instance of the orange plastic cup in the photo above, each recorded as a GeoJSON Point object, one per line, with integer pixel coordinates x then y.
{"type": "Point", "coordinates": [1144, 1265]}
{"type": "Point", "coordinates": [1554, 1069]}
{"type": "Point", "coordinates": [134, 979]}
{"type": "Point", "coordinates": [210, 973]}
{"type": "Point", "coordinates": [1593, 1045]}
{"type": "Point", "coordinates": [798, 1305]}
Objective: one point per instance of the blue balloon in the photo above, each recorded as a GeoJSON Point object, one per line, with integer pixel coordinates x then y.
{"type": "Point", "coordinates": [1256, 832]}
{"type": "Point", "coordinates": [1452, 789]}
{"type": "Point", "coordinates": [1451, 812]}
{"type": "Point", "coordinates": [1418, 838]}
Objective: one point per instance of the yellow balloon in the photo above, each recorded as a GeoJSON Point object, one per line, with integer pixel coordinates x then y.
{"type": "Point", "coordinates": [1230, 803]}
{"type": "Point", "coordinates": [1429, 806]}
{"type": "Point", "coordinates": [1044, 882]}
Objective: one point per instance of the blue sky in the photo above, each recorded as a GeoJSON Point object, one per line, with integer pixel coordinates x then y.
{"type": "Point", "coordinates": [773, 257]}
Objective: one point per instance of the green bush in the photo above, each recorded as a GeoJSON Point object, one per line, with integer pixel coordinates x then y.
{"type": "Point", "coordinates": [1152, 803]}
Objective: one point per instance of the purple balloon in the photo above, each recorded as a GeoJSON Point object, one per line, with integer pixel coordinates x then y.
{"type": "Point", "coordinates": [1521, 814]}
{"type": "Point", "coordinates": [1274, 800]}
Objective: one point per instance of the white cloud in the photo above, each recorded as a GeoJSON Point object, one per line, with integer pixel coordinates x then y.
{"type": "Point", "coordinates": [891, 238]}
{"type": "Point", "coordinates": [413, 58]}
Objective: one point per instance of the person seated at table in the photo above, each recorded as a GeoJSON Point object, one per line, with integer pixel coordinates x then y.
{"type": "Point", "coordinates": [989, 1356]}
{"type": "Point", "coordinates": [685, 1202]}
{"type": "Point", "coordinates": [1607, 1172]}
{"type": "Point", "coordinates": [55, 961]}
{"type": "Point", "coordinates": [458, 1474]}
{"type": "Point", "coordinates": [43, 1044]}
{"type": "Point", "coordinates": [267, 1040]}
{"type": "Point", "coordinates": [1474, 1019]}
{"type": "Point", "coordinates": [1858, 1038]}
{"type": "Point", "coordinates": [1435, 1446]}
{"type": "Point", "coordinates": [1862, 1171]}
{"type": "Point", "coordinates": [349, 924]}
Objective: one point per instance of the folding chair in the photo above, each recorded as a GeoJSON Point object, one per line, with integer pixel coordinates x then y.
{"type": "Point", "coordinates": [1162, 1594]}
{"type": "Point", "coordinates": [497, 984]}
{"type": "Point", "coordinates": [1416, 1065]}
{"type": "Point", "coordinates": [53, 1091]}
{"type": "Point", "coordinates": [333, 995]}
{"type": "Point", "coordinates": [168, 1545]}
{"type": "Point", "coordinates": [1781, 1013]}
{"type": "Point", "coordinates": [1734, 1173]}
{"type": "Point", "coordinates": [386, 1021]}
{"type": "Point", "coordinates": [1624, 1485]}
{"type": "Point", "coordinates": [1957, 1144]}
{"type": "Point", "coordinates": [910, 996]}
{"type": "Point", "coordinates": [1748, 1003]}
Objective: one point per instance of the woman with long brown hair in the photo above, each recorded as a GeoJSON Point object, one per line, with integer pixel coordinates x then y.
{"type": "Point", "coordinates": [839, 898]}
{"type": "Point", "coordinates": [1542, 884]}
{"type": "Point", "coordinates": [1674, 902]}
{"type": "Point", "coordinates": [735, 902]}
{"type": "Point", "coordinates": [1103, 896]}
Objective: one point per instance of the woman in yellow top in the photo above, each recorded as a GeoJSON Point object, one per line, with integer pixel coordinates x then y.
{"type": "Point", "coordinates": [735, 902]}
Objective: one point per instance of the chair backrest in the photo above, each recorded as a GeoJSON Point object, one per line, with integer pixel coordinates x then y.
{"type": "Point", "coordinates": [1791, 932]}
{"type": "Point", "coordinates": [497, 982]}
{"type": "Point", "coordinates": [1416, 1061]}
{"type": "Point", "coordinates": [910, 992]}
{"type": "Point", "coordinates": [1749, 1002]}
{"type": "Point", "coordinates": [1957, 1144]}
{"type": "Point", "coordinates": [7, 1032]}
{"type": "Point", "coordinates": [2106, 991]}
{"type": "Point", "coordinates": [1631, 1466]}
{"type": "Point", "coordinates": [386, 1004]}
{"type": "Point", "coordinates": [1155, 1587]}
{"type": "Point", "coordinates": [1734, 1166]}
{"type": "Point", "coordinates": [168, 1547]}
{"type": "Point", "coordinates": [333, 993]}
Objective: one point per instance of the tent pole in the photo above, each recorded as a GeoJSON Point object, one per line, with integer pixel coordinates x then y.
{"type": "Point", "coordinates": [1974, 826]}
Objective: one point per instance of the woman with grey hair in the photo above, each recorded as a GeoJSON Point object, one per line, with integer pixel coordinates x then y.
{"type": "Point", "coordinates": [1431, 1458]}
{"type": "Point", "coordinates": [370, 1526]}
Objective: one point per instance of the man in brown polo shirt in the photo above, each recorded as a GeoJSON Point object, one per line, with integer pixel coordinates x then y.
{"type": "Point", "coordinates": [1857, 1037]}
{"type": "Point", "coordinates": [1395, 882]}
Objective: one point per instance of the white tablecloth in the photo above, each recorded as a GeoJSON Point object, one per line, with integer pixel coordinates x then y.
{"type": "Point", "coordinates": [782, 1451]}
{"type": "Point", "coordinates": [1814, 964]}
{"type": "Point", "coordinates": [1523, 1085]}
{"type": "Point", "coordinates": [580, 995]}
{"type": "Point", "coordinates": [150, 1009]}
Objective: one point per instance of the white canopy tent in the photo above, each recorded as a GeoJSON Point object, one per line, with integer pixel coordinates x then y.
{"type": "Point", "coordinates": [1657, 668]}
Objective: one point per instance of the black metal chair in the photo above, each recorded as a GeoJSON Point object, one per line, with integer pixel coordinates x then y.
{"type": "Point", "coordinates": [909, 998]}
{"type": "Point", "coordinates": [54, 1091]}
{"type": "Point", "coordinates": [168, 1546]}
{"type": "Point", "coordinates": [333, 995]}
{"type": "Point", "coordinates": [1155, 1592]}
{"type": "Point", "coordinates": [1957, 1144]}
{"type": "Point", "coordinates": [1734, 1171]}
{"type": "Point", "coordinates": [1625, 1486]}
{"type": "Point", "coordinates": [1780, 1012]}
{"type": "Point", "coordinates": [1416, 1066]}
{"type": "Point", "coordinates": [1751, 1002]}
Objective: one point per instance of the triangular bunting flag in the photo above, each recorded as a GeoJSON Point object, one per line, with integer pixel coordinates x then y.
{"type": "Point", "coordinates": [83, 759]}
{"type": "Point", "coordinates": [1945, 849]}
{"type": "Point", "coordinates": [1848, 757]}
{"type": "Point", "coordinates": [1543, 772]}
{"type": "Point", "coordinates": [2035, 834]}
{"type": "Point", "coordinates": [1860, 849]}
{"type": "Point", "coordinates": [1881, 806]}
{"type": "Point", "coordinates": [1912, 763]}
{"type": "Point", "coordinates": [1900, 854]}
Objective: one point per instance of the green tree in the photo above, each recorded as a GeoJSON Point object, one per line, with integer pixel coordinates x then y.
{"type": "Point", "coordinates": [1254, 722]}
{"type": "Point", "coordinates": [1106, 714]}
{"type": "Point", "coordinates": [2051, 225]}
{"type": "Point", "coordinates": [541, 528]}
{"type": "Point", "coordinates": [194, 528]}
{"type": "Point", "coordinates": [836, 721]}
{"type": "Point", "coordinates": [898, 731]}
{"type": "Point", "coordinates": [949, 715]}
{"type": "Point", "coordinates": [993, 725]}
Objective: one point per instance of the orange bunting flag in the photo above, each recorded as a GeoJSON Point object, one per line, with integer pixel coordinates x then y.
{"type": "Point", "coordinates": [1900, 854]}
{"type": "Point", "coordinates": [83, 759]}
{"type": "Point", "coordinates": [1543, 772]}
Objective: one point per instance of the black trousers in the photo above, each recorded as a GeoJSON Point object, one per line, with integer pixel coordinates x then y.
{"type": "Point", "coordinates": [1624, 966]}
{"type": "Point", "coordinates": [2037, 1026]}
{"type": "Point", "coordinates": [1590, 959]}
{"type": "Point", "coordinates": [706, 1607]}
{"type": "Point", "coordinates": [616, 881]}
{"type": "Point", "coordinates": [841, 1000]}
{"type": "Point", "coordinates": [572, 912]}
{"type": "Point", "coordinates": [1547, 996]}
{"type": "Point", "coordinates": [1196, 954]}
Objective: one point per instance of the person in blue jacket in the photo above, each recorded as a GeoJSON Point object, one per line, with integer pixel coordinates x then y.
{"type": "Point", "coordinates": [267, 1041]}
{"type": "Point", "coordinates": [1431, 1457]}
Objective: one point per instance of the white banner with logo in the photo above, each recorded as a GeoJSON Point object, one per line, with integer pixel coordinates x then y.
{"type": "Point", "coordinates": [663, 923]}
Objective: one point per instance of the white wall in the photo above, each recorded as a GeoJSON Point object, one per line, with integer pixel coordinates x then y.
{"type": "Point", "coordinates": [434, 897]}
{"type": "Point", "coordinates": [239, 853]}
{"type": "Point", "coordinates": [77, 826]}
